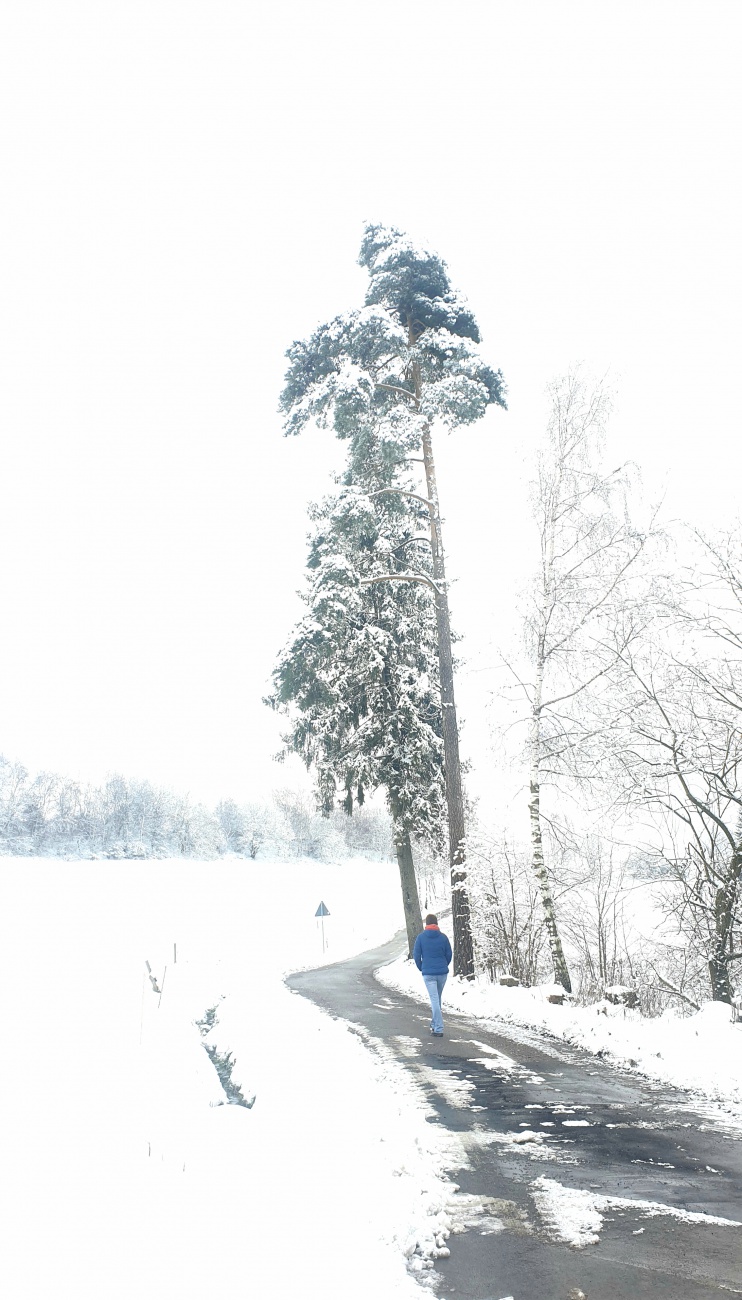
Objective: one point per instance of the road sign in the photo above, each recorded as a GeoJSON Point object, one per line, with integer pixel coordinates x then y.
{"type": "Point", "coordinates": [322, 912]}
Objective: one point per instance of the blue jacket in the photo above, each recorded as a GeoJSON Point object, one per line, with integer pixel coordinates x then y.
{"type": "Point", "coordinates": [432, 951]}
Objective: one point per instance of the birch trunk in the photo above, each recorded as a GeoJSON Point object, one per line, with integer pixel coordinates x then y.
{"type": "Point", "coordinates": [561, 972]}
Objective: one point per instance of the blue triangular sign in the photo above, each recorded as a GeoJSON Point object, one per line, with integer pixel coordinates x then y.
{"type": "Point", "coordinates": [322, 910]}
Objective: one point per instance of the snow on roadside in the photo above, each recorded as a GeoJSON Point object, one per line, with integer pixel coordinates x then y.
{"type": "Point", "coordinates": [702, 1052]}
{"type": "Point", "coordinates": [123, 1158]}
{"type": "Point", "coordinates": [575, 1217]}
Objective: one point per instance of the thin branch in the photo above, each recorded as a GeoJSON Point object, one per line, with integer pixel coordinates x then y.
{"type": "Point", "coordinates": [402, 577]}
{"type": "Point", "coordinates": [399, 492]}
{"type": "Point", "coordinates": [527, 688]}
{"type": "Point", "coordinates": [671, 989]}
{"type": "Point", "coordinates": [395, 388]}
{"type": "Point", "coordinates": [410, 540]}
{"type": "Point", "coordinates": [559, 699]}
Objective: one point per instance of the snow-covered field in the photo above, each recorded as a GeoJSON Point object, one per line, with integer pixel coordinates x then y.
{"type": "Point", "coordinates": [702, 1052]}
{"type": "Point", "coordinates": [124, 1175]}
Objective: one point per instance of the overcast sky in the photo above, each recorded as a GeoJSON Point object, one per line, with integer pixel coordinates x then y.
{"type": "Point", "coordinates": [185, 186]}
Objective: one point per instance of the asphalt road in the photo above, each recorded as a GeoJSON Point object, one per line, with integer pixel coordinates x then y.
{"type": "Point", "coordinates": [603, 1130]}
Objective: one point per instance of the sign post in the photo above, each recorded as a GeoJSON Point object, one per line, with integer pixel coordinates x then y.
{"type": "Point", "coordinates": [322, 912]}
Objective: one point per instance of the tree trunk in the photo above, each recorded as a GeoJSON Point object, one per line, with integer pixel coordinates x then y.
{"type": "Point", "coordinates": [724, 906]}
{"type": "Point", "coordinates": [408, 881]}
{"type": "Point", "coordinates": [463, 948]}
{"type": "Point", "coordinates": [721, 985]}
{"type": "Point", "coordinates": [463, 961]}
{"type": "Point", "coordinates": [561, 972]}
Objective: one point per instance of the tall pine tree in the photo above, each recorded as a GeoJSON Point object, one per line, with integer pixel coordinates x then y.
{"type": "Point", "coordinates": [382, 377]}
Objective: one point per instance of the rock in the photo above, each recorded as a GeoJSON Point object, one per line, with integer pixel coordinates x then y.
{"type": "Point", "coordinates": [556, 994]}
{"type": "Point", "coordinates": [509, 981]}
{"type": "Point", "coordinates": [621, 996]}
{"type": "Point", "coordinates": [713, 1016]}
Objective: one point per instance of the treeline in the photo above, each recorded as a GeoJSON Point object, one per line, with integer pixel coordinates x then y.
{"type": "Point", "coordinates": [48, 815]}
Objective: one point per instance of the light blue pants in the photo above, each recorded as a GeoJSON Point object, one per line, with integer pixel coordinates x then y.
{"type": "Point", "coordinates": [434, 984]}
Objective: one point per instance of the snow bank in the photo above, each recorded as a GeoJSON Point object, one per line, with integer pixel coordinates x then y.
{"type": "Point", "coordinates": [124, 1159]}
{"type": "Point", "coordinates": [702, 1052]}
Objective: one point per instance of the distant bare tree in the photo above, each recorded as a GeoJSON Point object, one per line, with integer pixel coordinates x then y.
{"type": "Point", "coordinates": [13, 786]}
{"type": "Point", "coordinates": [506, 905]}
{"type": "Point", "coordinates": [680, 757]}
{"type": "Point", "coordinates": [39, 809]}
{"type": "Point", "coordinates": [595, 919]}
{"type": "Point", "coordinates": [232, 823]}
{"type": "Point", "coordinates": [259, 822]}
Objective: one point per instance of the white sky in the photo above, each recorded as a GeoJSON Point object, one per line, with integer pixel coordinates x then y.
{"type": "Point", "coordinates": [184, 192]}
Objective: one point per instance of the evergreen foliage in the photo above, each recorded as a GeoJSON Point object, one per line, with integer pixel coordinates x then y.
{"type": "Point", "coordinates": [356, 372]}
{"type": "Point", "coordinates": [359, 675]}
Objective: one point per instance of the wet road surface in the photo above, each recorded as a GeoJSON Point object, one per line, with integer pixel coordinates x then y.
{"type": "Point", "coordinates": [596, 1129]}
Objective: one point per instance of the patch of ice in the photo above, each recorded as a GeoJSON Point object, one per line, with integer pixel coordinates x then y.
{"type": "Point", "coordinates": [499, 1061]}
{"type": "Point", "coordinates": [407, 1046]}
{"type": "Point", "coordinates": [454, 1090]}
{"type": "Point", "coordinates": [525, 1143]}
{"type": "Point", "coordinates": [575, 1216]}
{"type": "Point", "coordinates": [568, 1215]}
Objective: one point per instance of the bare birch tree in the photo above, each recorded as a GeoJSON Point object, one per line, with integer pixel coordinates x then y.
{"type": "Point", "coordinates": [587, 550]}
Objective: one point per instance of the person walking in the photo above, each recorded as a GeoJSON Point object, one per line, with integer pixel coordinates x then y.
{"type": "Point", "coordinates": [432, 956]}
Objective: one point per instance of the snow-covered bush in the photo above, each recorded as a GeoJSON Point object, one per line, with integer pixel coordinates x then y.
{"type": "Point", "coordinates": [508, 927]}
